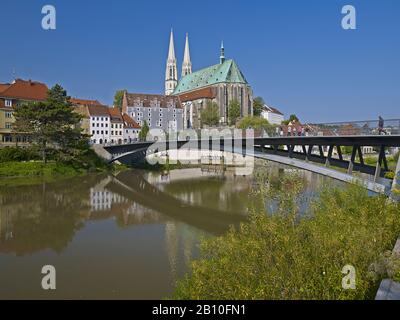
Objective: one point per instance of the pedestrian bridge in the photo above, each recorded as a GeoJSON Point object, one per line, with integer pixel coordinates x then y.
{"type": "Point", "coordinates": [320, 154]}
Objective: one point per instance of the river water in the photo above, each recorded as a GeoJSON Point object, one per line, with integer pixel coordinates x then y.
{"type": "Point", "coordinates": [125, 236]}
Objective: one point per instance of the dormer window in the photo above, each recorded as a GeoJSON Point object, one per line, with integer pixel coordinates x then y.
{"type": "Point", "coordinates": [8, 103]}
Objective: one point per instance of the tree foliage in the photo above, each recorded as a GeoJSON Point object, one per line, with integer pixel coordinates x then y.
{"type": "Point", "coordinates": [233, 112]}
{"type": "Point", "coordinates": [119, 95]}
{"type": "Point", "coordinates": [51, 124]}
{"type": "Point", "coordinates": [210, 114]}
{"type": "Point", "coordinates": [292, 118]}
{"type": "Point", "coordinates": [144, 131]}
{"type": "Point", "coordinates": [258, 104]}
{"type": "Point", "coordinates": [256, 123]}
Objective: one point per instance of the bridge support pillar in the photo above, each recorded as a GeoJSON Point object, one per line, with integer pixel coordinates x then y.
{"type": "Point", "coordinates": [351, 163]}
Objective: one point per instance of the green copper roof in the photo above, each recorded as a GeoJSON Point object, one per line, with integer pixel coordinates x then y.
{"type": "Point", "coordinates": [226, 72]}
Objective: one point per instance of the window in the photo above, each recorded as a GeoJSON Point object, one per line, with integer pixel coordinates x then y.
{"type": "Point", "coordinates": [106, 132]}
{"type": "Point", "coordinates": [112, 132]}
{"type": "Point", "coordinates": [9, 114]}
{"type": "Point", "coordinates": [112, 125]}
{"type": "Point", "coordinates": [8, 125]}
{"type": "Point", "coordinates": [8, 103]}
{"type": "Point", "coordinates": [98, 132]}
{"type": "Point", "coordinates": [93, 132]}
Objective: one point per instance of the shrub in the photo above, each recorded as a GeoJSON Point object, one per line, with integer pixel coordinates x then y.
{"type": "Point", "coordinates": [18, 154]}
{"type": "Point", "coordinates": [279, 255]}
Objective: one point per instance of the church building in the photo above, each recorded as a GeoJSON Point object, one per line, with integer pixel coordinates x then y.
{"type": "Point", "coordinates": [220, 83]}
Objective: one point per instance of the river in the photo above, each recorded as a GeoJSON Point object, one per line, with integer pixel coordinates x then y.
{"type": "Point", "coordinates": [125, 236]}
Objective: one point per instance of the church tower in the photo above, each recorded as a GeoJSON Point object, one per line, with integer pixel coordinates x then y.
{"type": "Point", "coordinates": [187, 64]}
{"type": "Point", "coordinates": [171, 73]}
{"type": "Point", "coordinates": [222, 55]}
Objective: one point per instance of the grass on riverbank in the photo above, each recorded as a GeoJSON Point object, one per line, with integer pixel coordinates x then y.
{"type": "Point", "coordinates": [283, 256]}
{"type": "Point", "coordinates": [23, 166]}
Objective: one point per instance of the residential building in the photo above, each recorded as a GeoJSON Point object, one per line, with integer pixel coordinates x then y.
{"type": "Point", "coordinates": [100, 124]}
{"type": "Point", "coordinates": [273, 115]}
{"type": "Point", "coordinates": [159, 111]}
{"type": "Point", "coordinates": [11, 95]}
{"type": "Point", "coordinates": [131, 129]}
{"type": "Point", "coordinates": [116, 126]}
{"type": "Point", "coordinates": [109, 125]}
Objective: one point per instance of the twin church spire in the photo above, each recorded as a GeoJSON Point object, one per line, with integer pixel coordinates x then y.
{"type": "Point", "coordinates": [171, 73]}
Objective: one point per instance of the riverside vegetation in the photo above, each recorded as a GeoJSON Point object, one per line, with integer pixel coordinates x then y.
{"type": "Point", "coordinates": [57, 149]}
{"type": "Point", "coordinates": [293, 254]}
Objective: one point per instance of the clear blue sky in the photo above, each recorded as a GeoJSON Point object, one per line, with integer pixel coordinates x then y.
{"type": "Point", "coordinates": [293, 53]}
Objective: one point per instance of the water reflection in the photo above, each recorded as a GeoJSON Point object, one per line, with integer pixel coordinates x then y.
{"type": "Point", "coordinates": [130, 235]}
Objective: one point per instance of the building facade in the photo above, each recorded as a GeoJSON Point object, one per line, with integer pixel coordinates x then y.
{"type": "Point", "coordinates": [273, 115]}
{"type": "Point", "coordinates": [158, 111]}
{"type": "Point", "coordinates": [100, 124]}
{"type": "Point", "coordinates": [131, 129]}
{"type": "Point", "coordinates": [11, 95]}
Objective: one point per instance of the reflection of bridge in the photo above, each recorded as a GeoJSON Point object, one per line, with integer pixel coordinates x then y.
{"type": "Point", "coordinates": [134, 187]}
{"type": "Point", "coordinates": [325, 150]}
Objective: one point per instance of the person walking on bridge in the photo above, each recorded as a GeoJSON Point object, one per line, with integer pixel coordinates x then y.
{"type": "Point", "coordinates": [381, 124]}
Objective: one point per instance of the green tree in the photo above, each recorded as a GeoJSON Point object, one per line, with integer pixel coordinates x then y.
{"type": "Point", "coordinates": [51, 124]}
{"type": "Point", "coordinates": [233, 112]}
{"type": "Point", "coordinates": [119, 95]}
{"type": "Point", "coordinates": [292, 118]}
{"type": "Point", "coordinates": [210, 114]}
{"type": "Point", "coordinates": [144, 131]}
{"type": "Point", "coordinates": [256, 123]}
{"type": "Point", "coordinates": [258, 104]}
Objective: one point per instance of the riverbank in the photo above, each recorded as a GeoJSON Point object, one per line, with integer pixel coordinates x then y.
{"type": "Point", "coordinates": [23, 166]}
{"type": "Point", "coordinates": [15, 173]}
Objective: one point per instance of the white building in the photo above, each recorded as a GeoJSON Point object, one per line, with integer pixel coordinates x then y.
{"type": "Point", "coordinates": [117, 126]}
{"type": "Point", "coordinates": [99, 119]}
{"type": "Point", "coordinates": [158, 111]}
{"type": "Point", "coordinates": [110, 126]}
{"type": "Point", "coordinates": [273, 115]}
{"type": "Point", "coordinates": [131, 129]}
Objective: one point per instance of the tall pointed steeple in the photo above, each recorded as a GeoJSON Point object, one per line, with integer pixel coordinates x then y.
{"type": "Point", "coordinates": [187, 64]}
{"type": "Point", "coordinates": [171, 72]}
{"type": "Point", "coordinates": [222, 56]}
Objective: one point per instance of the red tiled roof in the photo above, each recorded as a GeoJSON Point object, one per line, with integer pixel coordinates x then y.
{"type": "Point", "coordinates": [25, 90]}
{"type": "Point", "coordinates": [85, 102]}
{"type": "Point", "coordinates": [115, 114]}
{"type": "Point", "coordinates": [129, 122]}
{"type": "Point", "coordinates": [198, 94]}
{"type": "Point", "coordinates": [4, 86]}
{"type": "Point", "coordinates": [102, 111]}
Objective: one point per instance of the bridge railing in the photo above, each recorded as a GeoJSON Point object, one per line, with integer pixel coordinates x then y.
{"type": "Point", "coordinates": [350, 128]}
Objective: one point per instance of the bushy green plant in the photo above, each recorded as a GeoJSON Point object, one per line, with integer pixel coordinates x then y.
{"type": "Point", "coordinates": [290, 255]}
{"type": "Point", "coordinates": [18, 154]}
